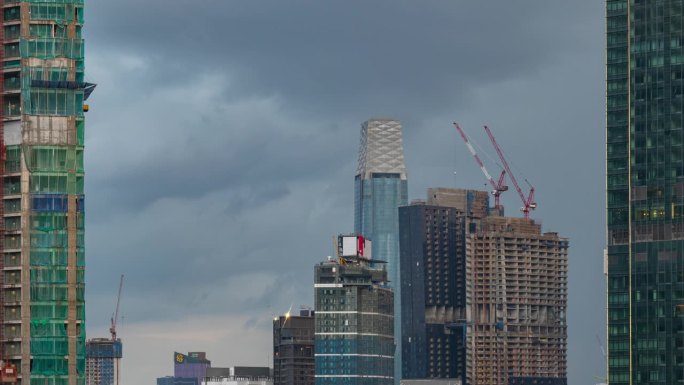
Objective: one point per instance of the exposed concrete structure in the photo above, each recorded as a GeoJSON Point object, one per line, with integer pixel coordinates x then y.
{"type": "Point", "coordinates": [516, 291]}
{"type": "Point", "coordinates": [43, 201]}
{"type": "Point", "coordinates": [516, 302]}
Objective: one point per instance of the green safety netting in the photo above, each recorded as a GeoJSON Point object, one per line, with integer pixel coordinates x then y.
{"type": "Point", "coordinates": [44, 327]}
{"type": "Point", "coordinates": [59, 12]}
{"type": "Point", "coordinates": [60, 102]}
{"type": "Point", "coordinates": [49, 257]}
{"type": "Point", "coordinates": [49, 88]}
{"type": "Point", "coordinates": [54, 158]}
{"type": "Point", "coordinates": [48, 48]}
{"type": "Point", "coordinates": [41, 346]}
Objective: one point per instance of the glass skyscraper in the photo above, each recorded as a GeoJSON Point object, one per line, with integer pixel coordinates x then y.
{"type": "Point", "coordinates": [380, 187]}
{"type": "Point", "coordinates": [645, 191]}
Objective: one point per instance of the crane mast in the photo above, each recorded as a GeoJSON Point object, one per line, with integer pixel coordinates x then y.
{"type": "Point", "coordinates": [115, 316]}
{"type": "Point", "coordinates": [498, 187]}
{"type": "Point", "coordinates": [528, 203]}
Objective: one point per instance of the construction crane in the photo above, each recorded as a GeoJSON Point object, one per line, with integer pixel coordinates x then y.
{"type": "Point", "coordinates": [528, 203]}
{"type": "Point", "coordinates": [115, 316]}
{"type": "Point", "coordinates": [498, 187]}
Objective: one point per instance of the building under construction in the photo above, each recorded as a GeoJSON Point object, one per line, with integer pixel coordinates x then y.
{"type": "Point", "coordinates": [293, 348]}
{"type": "Point", "coordinates": [102, 361]}
{"type": "Point", "coordinates": [43, 315]}
{"type": "Point", "coordinates": [509, 326]}
{"type": "Point", "coordinates": [516, 303]}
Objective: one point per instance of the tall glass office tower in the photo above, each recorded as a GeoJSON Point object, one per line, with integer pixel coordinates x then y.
{"type": "Point", "coordinates": [380, 187]}
{"type": "Point", "coordinates": [645, 191]}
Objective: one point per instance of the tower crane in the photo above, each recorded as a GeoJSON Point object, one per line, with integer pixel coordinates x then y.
{"type": "Point", "coordinates": [498, 187]}
{"type": "Point", "coordinates": [528, 203]}
{"type": "Point", "coordinates": [115, 316]}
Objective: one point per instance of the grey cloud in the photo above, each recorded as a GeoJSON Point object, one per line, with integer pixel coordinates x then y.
{"type": "Point", "coordinates": [222, 139]}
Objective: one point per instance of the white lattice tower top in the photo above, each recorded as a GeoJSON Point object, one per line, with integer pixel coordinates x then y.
{"type": "Point", "coordinates": [381, 149]}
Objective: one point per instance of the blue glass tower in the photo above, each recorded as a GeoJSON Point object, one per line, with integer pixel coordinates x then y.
{"type": "Point", "coordinates": [380, 187]}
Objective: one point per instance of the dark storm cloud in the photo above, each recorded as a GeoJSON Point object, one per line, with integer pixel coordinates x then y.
{"type": "Point", "coordinates": [223, 135]}
{"type": "Point", "coordinates": [342, 56]}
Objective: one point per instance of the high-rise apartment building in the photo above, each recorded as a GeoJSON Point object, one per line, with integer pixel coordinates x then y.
{"type": "Point", "coordinates": [43, 203]}
{"type": "Point", "coordinates": [103, 361]}
{"type": "Point", "coordinates": [645, 191]}
{"type": "Point", "coordinates": [380, 187]}
{"type": "Point", "coordinates": [354, 317]}
{"type": "Point", "coordinates": [516, 301]}
{"type": "Point", "coordinates": [486, 290]}
{"type": "Point", "coordinates": [433, 291]}
{"type": "Point", "coordinates": [293, 349]}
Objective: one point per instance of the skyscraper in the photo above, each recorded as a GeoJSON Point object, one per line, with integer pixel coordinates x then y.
{"type": "Point", "coordinates": [380, 187]}
{"type": "Point", "coordinates": [645, 191]}
{"type": "Point", "coordinates": [516, 303]}
{"type": "Point", "coordinates": [43, 201]}
{"type": "Point", "coordinates": [102, 361]}
{"type": "Point", "coordinates": [354, 319]}
{"type": "Point", "coordinates": [293, 349]}
{"type": "Point", "coordinates": [484, 295]}
{"type": "Point", "coordinates": [433, 291]}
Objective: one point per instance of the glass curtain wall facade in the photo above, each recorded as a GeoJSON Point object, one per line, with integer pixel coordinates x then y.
{"type": "Point", "coordinates": [43, 200]}
{"type": "Point", "coordinates": [645, 191]}
{"type": "Point", "coordinates": [354, 343]}
{"type": "Point", "coordinates": [380, 187]}
{"type": "Point", "coordinates": [433, 292]}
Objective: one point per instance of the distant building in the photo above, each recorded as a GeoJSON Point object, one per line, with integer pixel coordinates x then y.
{"type": "Point", "coordinates": [354, 318]}
{"type": "Point", "coordinates": [239, 375]}
{"type": "Point", "coordinates": [171, 380]}
{"type": "Point", "coordinates": [380, 187]}
{"type": "Point", "coordinates": [433, 291]}
{"type": "Point", "coordinates": [102, 361]}
{"type": "Point", "coordinates": [432, 381]}
{"type": "Point", "coordinates": [293, 349]}
{"type": "Point", "coordinates": [192, 365]}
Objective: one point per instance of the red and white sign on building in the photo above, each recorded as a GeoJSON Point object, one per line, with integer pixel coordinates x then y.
{"type": "Point", "coordinates": [355, 246]}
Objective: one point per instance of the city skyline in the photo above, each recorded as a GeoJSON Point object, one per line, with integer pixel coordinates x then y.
{"type": "Point", "coordinates": [275, 133]}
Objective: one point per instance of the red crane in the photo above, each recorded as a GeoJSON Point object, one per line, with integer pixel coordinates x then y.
{"type": "Point", "coordinates": [528, 203]}
{"type": "Point", "coordinates": [115, 316]}
{"type": "Point", "coordinates": [498, 187]}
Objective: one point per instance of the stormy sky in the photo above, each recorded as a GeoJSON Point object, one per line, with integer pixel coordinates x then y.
{"type": "Point", "coordinates": [222, 140]}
